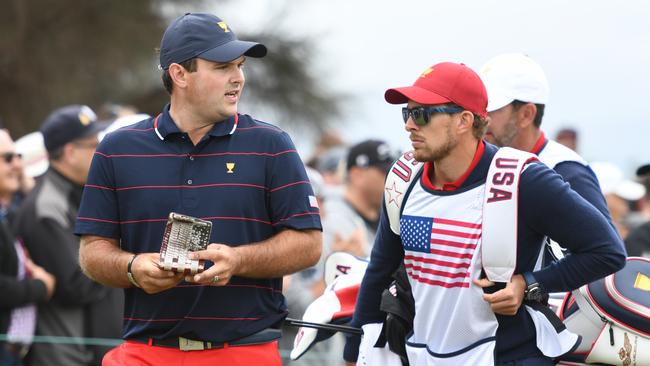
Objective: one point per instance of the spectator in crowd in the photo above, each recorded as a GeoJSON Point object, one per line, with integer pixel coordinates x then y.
{"type": "Point", "coordinates": [638, 241]}
{"type": "Point", "coordinates": [619, 194]}
{"type": "Point", "coordinates": [22, 283]}
{"type": "Point", "coordinates": [331, 165]}
{"type": "Point", "coordinates": [643, 178]}
{"type": "Point", "coordinates": [10, 199]}
{"type": "Point", "coordinates": [80, 307]}
{"type": "Point", "coordinates": [568, 137]}
{"type": "Point", "coordinates": [200, 157]}
{"type": "Point", "coordinates": [9, 203]}
{"type": "Point", "coordinates": [34, 157]}
{"type": "Point", "coordinates": [353, 217]}
{"type": "Point", "coordinates": [328, 140]}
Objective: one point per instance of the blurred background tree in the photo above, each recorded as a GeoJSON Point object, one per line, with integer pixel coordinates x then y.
{"type": "Point", "coordinates": [103, 52]}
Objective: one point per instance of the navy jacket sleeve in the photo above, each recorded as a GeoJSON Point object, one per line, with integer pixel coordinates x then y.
{"type": "Point", "coordinates": [583, 180]}
{"type": "Point", "coordinates": [551, 207]}
{"type": "Point", "coordinates": [387, 254]}
{"type": "Point", "coordinates": [17, 293]}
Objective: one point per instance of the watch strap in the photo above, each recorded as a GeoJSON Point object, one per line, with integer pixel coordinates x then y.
{"type": "Point", "coordinates": [129, 274]}
{"type": "Point", "coordinates": [529, 279]}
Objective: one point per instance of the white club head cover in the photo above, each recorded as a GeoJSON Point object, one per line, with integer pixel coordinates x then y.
{"type": "Point", "coordinates": [340, 263]}
{"type": "Point", "coordinates": [337, 301]}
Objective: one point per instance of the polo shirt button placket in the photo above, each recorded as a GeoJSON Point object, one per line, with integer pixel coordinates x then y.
{"type": "Point", "coordinates": [189, 182]}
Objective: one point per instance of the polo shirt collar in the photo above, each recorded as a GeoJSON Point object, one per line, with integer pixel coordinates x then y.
{"type": "Point", "coordinates": [480, 149]}
{"type": "Point", "coordinates": [540, 144]}
{"type": "Point", "coordinates": [164, 125]}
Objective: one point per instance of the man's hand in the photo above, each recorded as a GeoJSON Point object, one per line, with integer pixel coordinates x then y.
{"type": "Point", "coordinates": [226, 262]}
{"type": "Point", "coordinates": [505, 301]}
{"type": "Point", "coordinates": [38, 273]}
{"type": "Point", "coordinates": [151, 278]}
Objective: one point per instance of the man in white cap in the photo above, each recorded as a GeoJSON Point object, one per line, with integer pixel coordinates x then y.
{"type": "Point", "coordinates": [518, 93]}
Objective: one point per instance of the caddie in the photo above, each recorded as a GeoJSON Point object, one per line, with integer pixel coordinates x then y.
{"type": "Point", "coordinates": [468, 283]}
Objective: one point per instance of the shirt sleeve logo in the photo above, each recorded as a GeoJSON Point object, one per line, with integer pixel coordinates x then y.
{"type": "Point", "coordinates": [313, 202]}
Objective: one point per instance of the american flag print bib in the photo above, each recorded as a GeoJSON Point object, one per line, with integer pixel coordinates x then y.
{"type": "Point", "coordinates": [441, 235]}
{"type": "Point", "coordinates": [440, 249]}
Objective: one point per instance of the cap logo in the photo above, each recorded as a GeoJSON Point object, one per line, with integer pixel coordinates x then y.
{"type": "Point", "coordinates": [383, 152]}
{"type": "Point", "coordinates": [86, 115]}
{"type": "Point", "coordinates": [85, 120]}
{"type": "Point", "coordinates": [362, 160]}
{"type": "Point", "coordinates": [426, 72]}
{"type": "Point", "coordinates": [223, 26]}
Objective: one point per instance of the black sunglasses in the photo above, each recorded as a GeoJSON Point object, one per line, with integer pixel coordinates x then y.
{"type": "Point", "coordinates": [422, 114]}
{"type": "Point", "coordinates": [8, 157]}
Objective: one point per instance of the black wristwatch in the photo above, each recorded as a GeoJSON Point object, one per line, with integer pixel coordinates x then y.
{"type": "Point", "coordinates": [533, 292]}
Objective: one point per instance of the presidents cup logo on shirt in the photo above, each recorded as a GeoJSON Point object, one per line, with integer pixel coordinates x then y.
{"type": "Point", "coordinates": [230, 167]}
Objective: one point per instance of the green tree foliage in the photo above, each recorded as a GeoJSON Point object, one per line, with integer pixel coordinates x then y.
{"type": "Point", "coordinates": [281, 81]}
{"type": "Point", "coordinates": [58, 52]}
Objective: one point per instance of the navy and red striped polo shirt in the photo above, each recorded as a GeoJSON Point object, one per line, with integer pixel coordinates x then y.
{"type": "Point", "coordinates": [244, 175]}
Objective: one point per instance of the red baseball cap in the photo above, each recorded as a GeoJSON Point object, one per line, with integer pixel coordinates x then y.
{"type": "Point", "coordinates": [446, 82]}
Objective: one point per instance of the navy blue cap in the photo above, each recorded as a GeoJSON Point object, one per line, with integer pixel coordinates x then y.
{"type": "Point", "coordinates": [68, 124]}
{"type": "Point", "coordinates": [205, 36]}
{"type": "Point", "coordinates": [643, 170]}
{"type": "Point", "coordinates": [371, 153]}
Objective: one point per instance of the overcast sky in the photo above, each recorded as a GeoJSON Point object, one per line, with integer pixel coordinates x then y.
{"type": "Point", "coordinates": [595, 54]}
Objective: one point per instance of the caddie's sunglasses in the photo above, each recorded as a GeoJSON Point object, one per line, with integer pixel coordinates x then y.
{"type": "Point", "coordinates": [422, 114]}
{"type": "Point", "coordinates": [8, 157]}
